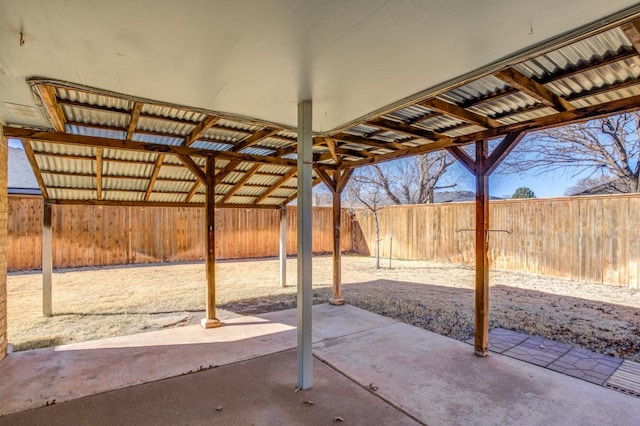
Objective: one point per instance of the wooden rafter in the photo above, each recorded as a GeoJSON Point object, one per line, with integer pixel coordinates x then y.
{"type": "Point", "coordinates": [200, 130]}
{"type": "Point", "coordinates": [50, 100]}
{"type": "Point", "coordinates": [341, 152]}
{"type": "Point", "coordinates": [31, 156]}
{"type": "Point", "coordinates": [192, 192]}
{"type": "Point", "coordinates": [331, 144]}
{"type": "Point", "coordinates": [534, 89]}
{"type": "Point", "coordinates": [241, 182]}
{"type": "Point", "coordinates": [254, 139]}
{"type": "Point", "coordinates": [193, 167]}
{"type": "Point", "coordinates": [277, 185]}
{"type": "Point", "coordinates": [154, 176]}
{"type": "Point", "coordinates": [72, 139]}
{"type": "Point", "coordinates": [228, 169]}
{"type": "Point", "coordinates": [133, 120]}
{"type": "Point", "coordinates": [459, 113]}
{"type": "Point", "coordinates": [632, 31]}
{"type": "Point", "coordinates": [401, 153]}
{"type": "Point", "coordinates": [99, 172]}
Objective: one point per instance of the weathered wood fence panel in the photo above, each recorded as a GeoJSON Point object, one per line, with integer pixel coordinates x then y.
{"type": "Point", "coordinates": [594, 239]}
{"type": "Point", "coordinates": [100, 236]}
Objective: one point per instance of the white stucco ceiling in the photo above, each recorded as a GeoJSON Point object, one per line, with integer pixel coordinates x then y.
{"type": "Point", "coordinates": [259, 58]}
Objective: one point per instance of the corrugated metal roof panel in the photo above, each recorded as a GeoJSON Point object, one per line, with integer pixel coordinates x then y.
{"type": "Point", "coordinates": [66, 181]}
{"type": "Point", "coordinates": [121, 154]}
{"type": "Point", "coordinates": [609, 96]}
{"type": "Point", "coordinates": [212, 146]}
{"type": "Point", "coordinates": [93, 99]}
{"type": "Point", "coordinates": [283, 192]}
{"type": "Point", "coordinates": [163, 140]}
{"type": "Point", "coordinates": [123, 195]}
{"type": "Point", "coordinates": [438, 123]}
{"type": "Point", "coordinates": [271, 201]}
{"type": "Point", "coordinates": [233, 177]}
{"type": "Point", "coordinates": [166, 197]}
{"type": "Point", "coordinates": [504, 104]}
{"type": "Point", "coordinates": [170, 112]}
{"type": "Point", "coordinates": [131, 184]}
{"type": "Point", "coordinates": [223, 188]}
{"type": "Point", "coordinates": [250, 191]}
{"type": "Point", "coordinates": [236, 125]}
{"type": "Point", "coordinates": [240, 200]}
{"type": "Point", "coordinates": [463, 130]}
{"type": "Point", "coordinates": [171, 186]}
{"type": "Point", "coordinates": [97, 117]}
{"type": "Point", "coordinates": [275, 168]}
{"type": "Point", "coordinates": [473, 90]}
{"type": "Point", "coordinates": [225, 135]}
{"type": "Point", "coordinates": [199, 199]}
{"type": "Point", "coordinates": [92, 131]}
{"type": "Point", "coordinates": [584, 51]}
{"type": "Point", "coordinates": [56, 148]}
{"type": "Point", "coordinates": [264, 180]}
{"type": "Point", "coordinates": [409, 114]}
{"type": "Point", "coordinates": [178, 173]}
{"type": "Point", "coordinates": [274, 143]}
{"type": "Point", "coordinates": [126, 169]}
{"type": "Point", "coordinates": [66, 165]}
{"type": "Point", "coordinates": [253, 150]}
{"type": "Point", "coordinates": [164, 126]}
{"type": "Point", "coordinates": [72, 194]}
{"type": "Point", "coordinates": [288, 134]}
{"type": "Point", "coordinates": [528, 115]}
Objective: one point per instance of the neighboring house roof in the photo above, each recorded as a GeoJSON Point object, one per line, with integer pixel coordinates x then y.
{"type": "Point", "coordinates": [614, 186]}
{"type": "Point", "coordinates": [21, 177]}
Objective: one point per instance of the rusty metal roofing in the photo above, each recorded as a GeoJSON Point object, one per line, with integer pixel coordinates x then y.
{"type": "Point", "coordinates": [109, 147]}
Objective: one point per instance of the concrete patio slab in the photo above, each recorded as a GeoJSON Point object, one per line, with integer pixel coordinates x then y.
{"type": "Point", "coordinates": [441, 382]}
{"type": "Point", "coordinates": [428, 377]}
{"type": "Point", "coordinates": [255, 392]}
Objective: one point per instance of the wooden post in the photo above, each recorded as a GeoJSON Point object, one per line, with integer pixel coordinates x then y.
{"type": "Point", "coordinates": [305, 216]}
{"type": "Point", "coordinates": [47, 260]}
{"type": "Point", "coordinates": [283, 246]}
{"type": "Point", "coordinates": [337, 255]}
{"type": "Point", "coordinates": [482, 251]}
{"type": "Point", "coordinates": [211, 321]}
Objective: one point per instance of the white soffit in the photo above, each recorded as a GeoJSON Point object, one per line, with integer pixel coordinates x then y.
{"type": "Point", "coordinates": [259, 58]}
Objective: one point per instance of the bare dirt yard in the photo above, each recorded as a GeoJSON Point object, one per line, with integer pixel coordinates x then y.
{"type": "Point", "coordinates": [96, 303]}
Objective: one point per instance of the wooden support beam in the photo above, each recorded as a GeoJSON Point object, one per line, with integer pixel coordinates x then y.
{"type": "Point", "coordinates": [31, 156]}
{"type": "Point", "coordinates": [72, 139]}
{"type": "Point", "coordinates": [154, 176]}
{"type": "Point", "coordinates": [211, 320]}
{"type": "Point", "coordinates": [50, 100]}
{"type": "Point", "coordinates": [133, 120]}
{"type": "Point", "coordinates": [47, 260]}
{"type": "Point", "coordinates": [407, 152]}
{"type": "Point", "coordinates": [502, 150]}
{"type": "Point", "coordinates": [331, 144]}
{"type": "Point", "coordinates": [192, 192]}
{"type": "Point", "coordinates": [459, 113]}
{"type": "Point", "coordinates": [194, 167]}
{"type": "Point", "coordinates": [534, 89]}
{"type": "Point", "coordinates": [254, 139]}
{"type": "Point", "coordinates": [463, 158]}
{"type": "Point", "coordinates": [632, 31]}
{"type": "Point", "coordinates": [158, 204]}
{"type": "Point", "coordinates": [340, 179]}
{"type": "Point", "coordinates": [283, 246]}
{"type": "Point", "coordinates": [277, 185]}
{"type": "Point", "coordinates": [326, 179]}
{"type": "Point", "coordinates": [228, 169]}
{"type": "Point", "coordinates": [305, 246]}
{"type": "Point", "coordinates": [99, 172]}
{"type": "Point", "coordinates": [407, 129]}
{"type": "Point", "coordinates": [242, 181]}
{"type": "Point", "coordinates": [481, 340]}
{"type": "Point", "coordinates": [200, 129]}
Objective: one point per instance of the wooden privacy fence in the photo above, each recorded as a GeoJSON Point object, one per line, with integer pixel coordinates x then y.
{"type": "Point", "coordinates": [100, 236]}
{"type": "Point", "coordinates": [591, 239]}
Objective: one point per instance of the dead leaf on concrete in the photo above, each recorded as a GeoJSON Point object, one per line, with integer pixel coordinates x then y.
{"type": "Point", "coordinates": [219, 408]}
{"type": "Point", "coordinates": [338, 419]}
{"type": "Point", "coordinates": [309, 402]}
{"type": "Point", "coordinates": [297, 389]}
{"type": "Point", "coordinates": [373, 386]}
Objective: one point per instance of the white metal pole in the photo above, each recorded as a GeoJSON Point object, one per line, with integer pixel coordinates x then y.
{"type": "Point", "coordinates": [305, 145]}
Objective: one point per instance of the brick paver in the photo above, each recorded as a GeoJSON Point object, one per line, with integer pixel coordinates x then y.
{"type": "Point", "coordinates": [586, 365]}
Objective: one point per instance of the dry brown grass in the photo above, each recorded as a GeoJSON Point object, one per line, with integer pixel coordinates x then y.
{"type": "Point", "coordinates": [92, 304]}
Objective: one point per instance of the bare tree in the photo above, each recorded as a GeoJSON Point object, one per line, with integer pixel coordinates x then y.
{"type": "Point", "coordinates": [412, 180]}
{"type": "Point", "coordinates": [370, 196]}
{"type": "Point", "coordinates": [602, 148]}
